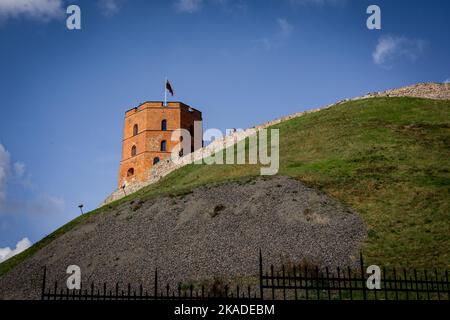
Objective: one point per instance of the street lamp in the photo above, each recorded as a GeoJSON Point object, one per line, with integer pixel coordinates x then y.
{"type": "Point", "coordinates": [123, 189]}
{"type": "Point", "coordinates": [81, 208]}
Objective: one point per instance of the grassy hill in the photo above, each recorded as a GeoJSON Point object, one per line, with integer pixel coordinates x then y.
{"type": "Point", "coordinates": [387, 158]}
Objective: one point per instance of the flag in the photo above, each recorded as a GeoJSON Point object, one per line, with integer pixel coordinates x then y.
{"type": "Point", "coordinates": [169, 87]}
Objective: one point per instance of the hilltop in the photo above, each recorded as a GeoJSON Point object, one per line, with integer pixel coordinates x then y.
{"type": "Point", "coordinates": [437, 91]}
{"type": "Point", "coordinates": [384, 160]}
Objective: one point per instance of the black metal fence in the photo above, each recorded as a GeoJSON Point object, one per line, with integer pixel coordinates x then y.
{"type": "Point", "coordinates": [313, 283]}
{"type": "Point", "coordinates": [181, 292]}
{"type": "Point", "coordinates": [294, 282]}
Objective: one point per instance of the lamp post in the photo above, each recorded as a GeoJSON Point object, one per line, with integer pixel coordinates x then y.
{"type": "Point", "coordinates": [123, 189]}
{"type": "Point", "coordinates": [81, 208]}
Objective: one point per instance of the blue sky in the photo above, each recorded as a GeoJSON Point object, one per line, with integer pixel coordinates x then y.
{"type": "Point", "coordinates": [63, 93]}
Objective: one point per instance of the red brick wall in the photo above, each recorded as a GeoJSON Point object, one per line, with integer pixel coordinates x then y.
{"type": "Point", "coordinates": [148, 116]}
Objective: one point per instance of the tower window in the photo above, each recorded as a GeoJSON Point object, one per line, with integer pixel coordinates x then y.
{"type": "Point", "coordinates": [163, 145]}
{"type": "Point", "coordinates": [133, 151]}
{"type": "Point", "coordinates": [164, 125]}
{"type": "Point", "coordinates": [155, 160]}
{"type": "Point", "coordinates": [135, 129]}
{"type": "Point", "coordinates": [130, 172]}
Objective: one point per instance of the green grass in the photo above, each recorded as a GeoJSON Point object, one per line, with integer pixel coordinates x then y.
{"type": "Point", "coordinates": [388, 158]}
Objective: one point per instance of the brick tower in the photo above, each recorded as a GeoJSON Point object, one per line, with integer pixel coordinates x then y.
{"type": "Point", "coordinates": [147, 137]}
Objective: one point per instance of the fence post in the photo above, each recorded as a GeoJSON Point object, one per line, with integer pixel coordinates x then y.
{"type": "Point", "coordinates": [386, 297]}
{"type": "Point", "coordinates": [395, 285]}
{"type": "Point", "coordinates": [156, 283]}
{"type": "Point", "coordinates": [317, 283]}
{"type": "Point", "coordinates": [350, 282]}
{"type": "Point", "coordinates": [261, 289]}
{"type": "Point", "coordinates": [339, 282]}
{"type": "Point", "coordinates": [56, 290]}
{"type": "Point", "coordinates": [273, 286]}
{"type": "Point", "coordinates": [426, 282]}
{"type": "Point", "coordinates": [44, 280]}
{"type": "Point", "coordinates": [437, 283]}
{"type": "Point", "coordinates": [406, 284]}
{"type": "Point", "coordinates": [284, 283]}
{"type": "Point", "coordinates": [363, 282]}
{"type": "Point", "coordinates": [328, 283]}
{"type": "Point", "coordinates": [295, 283]}
{"type": "Point", "coordinates": [417, 284]}
{"type": "Point", "coordinates": [306, 282]}
{"type": "Point", "coordinates": [448, 284]}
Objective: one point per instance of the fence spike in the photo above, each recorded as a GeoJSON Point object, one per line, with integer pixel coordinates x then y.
{"type": "Point", "coordinates": [55, 290]}
{"type": "Point", "coordinates": [448, 284]}
{"type": "Point", "coordinates": [406, 284]}
{"type": "Point", "coordinates": [328, 283]}
{"type": "Point", "coordinates": [306, 282]}
{"type": "Point", "coordinates": [271, 282]}
{"type": "Point", "coordinates": [339, 283]}
{"type": "Point", "coordinates": [295, 283]}
{"type": "Point", "coordinates": [395, 284]}
{"type": "Point", "coordinates": [417, 284]}
{"type": "Point", "coordinates": [437, 284]}
{"type": "Point", "coordinates": [261, 288]}
{"type": "Point", "coordinates": [284, 283]}
{"type": "Point", "coordinates": [426, 283]}
{"type": "Point", "coordinates": [156, 282]}
{"type": "Point", "coordinates": [350, 282]}
{"type": "Point", "coordinates": [363, 282]}
{"type": "Point", "coordinates": [44, 280]}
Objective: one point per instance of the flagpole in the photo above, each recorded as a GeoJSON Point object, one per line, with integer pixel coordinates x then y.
{"type": "Point", "coordinates": [165, 92]}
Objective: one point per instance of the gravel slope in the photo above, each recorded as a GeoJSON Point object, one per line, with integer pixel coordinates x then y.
{"type": "Point", "coordinates": [213, 232]}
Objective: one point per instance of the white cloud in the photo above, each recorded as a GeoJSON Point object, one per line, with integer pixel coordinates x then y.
{"type": "Point", "coordinates": [47, 203]}
{"type": "Point", "coordinates": [22, 245]}
{"type": "Point", "coordinates": [285, 27]}
{"type": "Point", "coordinates": [43, 10]}
{"type": "Point", "coordinates": [4, 166]}
{"type": "Point", "coordinates": [447, 81]}
{"type": "Point", "coordinates": [189, 6]}
{"type": "Point", "coordinates": [266, 43]}
{"type": "Point", "coordinates": [284, 30]}
{"type": "Point", "coordinates": [230, 6]}
{"type": "Point", "coordinates": [317, 3]}
{"type": "Point", "coordinates": [36, 203]}
{"type": "Point", "coordinates": [109, 7]}
{"type": "Point", "coordinates": [390, 48]}
{"type": "Point", "coordinates": [19, 169]}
